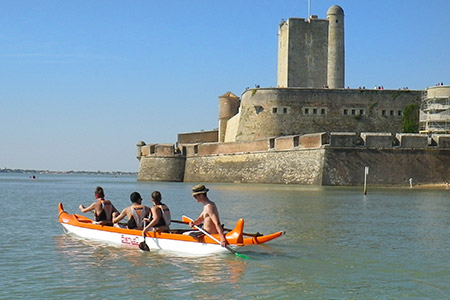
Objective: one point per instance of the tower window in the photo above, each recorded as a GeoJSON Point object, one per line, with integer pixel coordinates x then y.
{"type": "Point", "coordinates": [361, 111]}
{"type": "Point", "coordinates": [314, 111]}
{"type": "Point", "coordinates": [383, 112]}
{"type": "Point", "coordinates": [306, 111]}
{"type": "Point", "coordinates": [274, 110]}
{"type": "Point", "coordinates": [323, 111]}
{"type": "Point", "coordinates": [353, 111]}
{"type": "Point", "coordinates": [399, 113]}
{"type": "Point", "coordinates": [285, 110]}
{"type": "Point", "coordinates": [345, 111]}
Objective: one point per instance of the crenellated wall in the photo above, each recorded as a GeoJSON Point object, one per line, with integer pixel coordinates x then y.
{"type": "Point", "coordinates": [160, 162]}
{"type": "Point", "coordinates": [312, 159]}
{"type": "Point", "coordinates": [345, 166]}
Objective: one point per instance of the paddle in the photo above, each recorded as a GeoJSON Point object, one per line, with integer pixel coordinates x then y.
{"type": "Point", "coordinates": [227, 229]}
{"type": "Point", "coordinates": [143, 245]}
{"type": "Point", "coordinates": [217, 241]}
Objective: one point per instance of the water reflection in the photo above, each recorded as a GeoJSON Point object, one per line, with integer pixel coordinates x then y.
{"type": "Point", "coordinates": [79, 253]}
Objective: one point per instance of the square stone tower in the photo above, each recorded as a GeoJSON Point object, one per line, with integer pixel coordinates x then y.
{"type": "Point", "coordinates": [302, 53]}
{"type": "Point", "coordinates": [311, 51]}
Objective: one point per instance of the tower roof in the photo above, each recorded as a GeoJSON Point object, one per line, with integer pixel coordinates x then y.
{"type": "Point", "coordinates": [228, 95]}
{"type": "Point", "coordinates": [335, 10]}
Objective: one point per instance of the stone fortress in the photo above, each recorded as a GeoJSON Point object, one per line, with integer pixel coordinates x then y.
{"type": "Point", "coordinates": [310, 129]}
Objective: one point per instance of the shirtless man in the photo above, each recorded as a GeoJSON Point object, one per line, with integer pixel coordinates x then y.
{"type": "Point", "coordinates": [209, 216]}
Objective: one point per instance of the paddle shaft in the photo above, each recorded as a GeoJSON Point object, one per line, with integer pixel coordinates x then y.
{"type": "Point", "coordinates": [217, 241]}
{"type": "Point", "coordinates": [227, 229]}
{"type": "Point", "coordinates": [143, 245]}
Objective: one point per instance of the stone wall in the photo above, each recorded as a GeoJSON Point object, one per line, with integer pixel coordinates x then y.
{"type": "Point", "coordinates": [160, 168]}
{"type": "Point", "coordinates": [198, 137]}
{"type": "Point", "coordinates": [228, 148]}
{"type": "Point", "coordinates": [276, 112]}
{"type": "Point", "coordinates": [294, 167]}
{"type": "Point", "coordinates": [395, 166]}
{"type": "Point", "coordinates": [313, 159]}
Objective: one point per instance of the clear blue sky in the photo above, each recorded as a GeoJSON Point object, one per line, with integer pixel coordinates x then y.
{"type": "Point", "coordinates": [82, 81]}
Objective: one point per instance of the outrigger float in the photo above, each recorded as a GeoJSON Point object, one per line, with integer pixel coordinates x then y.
{"type": "Point", "coordinates": [174, 241]}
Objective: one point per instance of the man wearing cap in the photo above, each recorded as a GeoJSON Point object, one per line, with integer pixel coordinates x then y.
{"type": "Point", "coordinates": [210, 215]}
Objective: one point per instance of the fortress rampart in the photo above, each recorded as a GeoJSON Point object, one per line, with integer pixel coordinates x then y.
{"type": "Point", "coordinates": [311, 159]}
{"type": "Point", "coordinates": [267, 112]}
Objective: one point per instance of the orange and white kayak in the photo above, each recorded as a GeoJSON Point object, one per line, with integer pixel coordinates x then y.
{"type": "Point", "coordinates": [175, 241]}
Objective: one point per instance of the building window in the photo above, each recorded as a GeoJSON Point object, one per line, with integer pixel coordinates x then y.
{"type": "Point", "coordinates": [274, 110]}
{"type": "Point", "coordinates": [383, 112]}
{"type": "Point", "coordinates": [271, 143]}
{"type": "Point", "coordinates": [323, 111]}
{"type": "Point", "coordinates": [296, 141]}
{"type": "Point", "coordinates": [392, 112]}
{"type": "Point", "coordinates": [353, 111]}
{"type": "Point", "coordinates": [314, 111]}
{"type": "Point", "coordinates": [285, 110]}
{"type": "Point", "coordinates": [399, 113]}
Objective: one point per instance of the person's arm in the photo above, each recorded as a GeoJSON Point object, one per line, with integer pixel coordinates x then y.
{"type": "Point", "coordinates": [214, 215]}
{"type": "Point", "coordinates": [121, 216]}
{"type": "Point", "coordinates": [86, 209]}
{"type": "Point", "coordinates": [197, 221]}
{"type": "Point", "coordinates": [156, 216]}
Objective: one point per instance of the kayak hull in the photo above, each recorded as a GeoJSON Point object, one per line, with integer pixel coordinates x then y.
{"type": "Point", "coordinates": [173, 242]}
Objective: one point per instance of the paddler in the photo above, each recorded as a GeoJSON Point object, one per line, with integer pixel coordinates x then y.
{"type": "Point", "coordinates": [135, 213]}
{"type": "Point", "coordinates": [210, 214]}
{"type": "Point", "coordinates": [103, 209]}
{"type": "Point", "coordinates": [160, 217]}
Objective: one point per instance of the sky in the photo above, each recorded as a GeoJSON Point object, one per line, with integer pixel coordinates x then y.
{"type": "Point", "coordinates": [82, 81]}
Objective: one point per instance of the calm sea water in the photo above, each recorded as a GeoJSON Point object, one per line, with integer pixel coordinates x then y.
{"type": "Point", "coordinates": [390, 244]}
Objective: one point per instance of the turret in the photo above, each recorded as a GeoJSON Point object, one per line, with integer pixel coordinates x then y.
{"type": "Point", "coordinates": [228, 107]}
{"type": "Point", "coordinates": [336, 55]}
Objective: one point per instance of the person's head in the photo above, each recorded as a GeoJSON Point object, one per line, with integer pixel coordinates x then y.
{"type": "Point", "coordinates": [99, 192]}
{"type": "Point", "coordinates": [135, 197]}
{"type": "Point", "coordinates": [199, 191]}
{"type": "Point", "coordinates": [156, 197]}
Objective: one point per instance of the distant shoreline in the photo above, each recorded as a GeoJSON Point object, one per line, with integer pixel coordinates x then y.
{"type": "Point", "coordinates": [434, 186]}
{"type": "Point", "coordinates": [26, 171]}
